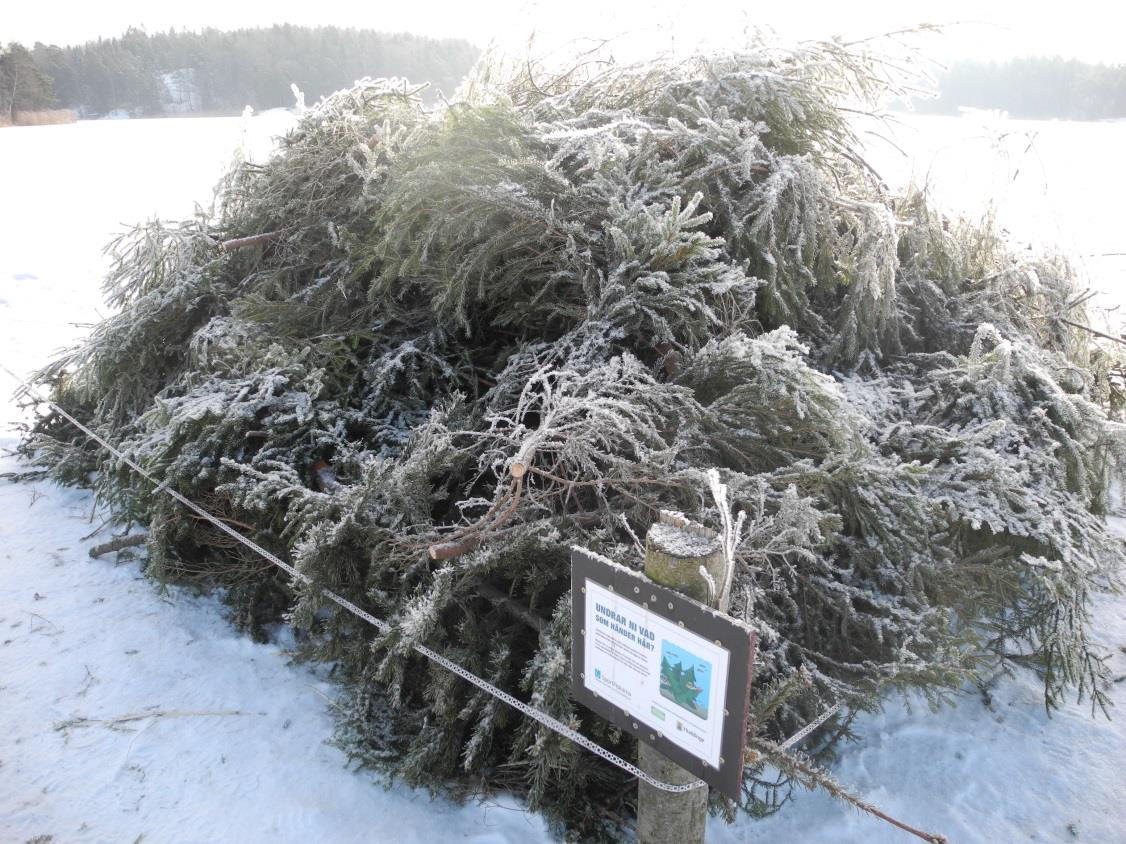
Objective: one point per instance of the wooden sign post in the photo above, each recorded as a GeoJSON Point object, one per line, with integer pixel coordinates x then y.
{"type": "Point", "coordinates": [664, 818]}
{"type": "Point", "coordinates": [667, 668]}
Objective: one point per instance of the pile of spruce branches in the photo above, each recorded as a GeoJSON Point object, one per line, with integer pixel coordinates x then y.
{"type": "Point", "coordinates": [615, 278]}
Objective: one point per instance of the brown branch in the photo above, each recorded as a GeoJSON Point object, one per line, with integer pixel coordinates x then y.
{"type": "Point", "coordinates": [229, 521]}
{"type": "Point", "coordinates": [487, 590]}
{"type": "Point", "coordinates": [619, 482]}
{"type": "Point", "coordinates": [118, 544]}
{"type": "Point", "coordinates": [449, 550]}
{"type": "Point", "coordinates": [252, 240]}
{"type": "Point", "coordinates": [1090, 330]}
{"type": "Point", "coordinates": [471, 536]}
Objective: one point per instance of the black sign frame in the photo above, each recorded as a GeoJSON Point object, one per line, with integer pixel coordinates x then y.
{"type": "Point", "coordinates": [737, 638]}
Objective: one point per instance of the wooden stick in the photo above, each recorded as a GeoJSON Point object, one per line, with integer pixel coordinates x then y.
{"type": "Point", "coordinates": [229, 521]}
{"type": "Point", "coordinates": [118, 544]}
{"type": "Point", "coordinates": [523, 458]}
{"type": "Point", "coordinates": [449, 550]}
{"type": "Point", "coordinates": [470, 537]}
{"type": "Point", "coordinates": [252, 240]}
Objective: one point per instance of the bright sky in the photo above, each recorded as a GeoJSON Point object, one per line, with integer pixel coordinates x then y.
{"type": "Point", "coordinates": [1087, 29]}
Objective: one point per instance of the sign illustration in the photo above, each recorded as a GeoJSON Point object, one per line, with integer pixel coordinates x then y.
{"type": "Point", "coordinates": [685, 679]}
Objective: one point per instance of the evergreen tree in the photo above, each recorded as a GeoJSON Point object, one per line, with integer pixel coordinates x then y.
{"type": "Point", "coordinates": [23, 87]}
{"type": "Point", "coordinates": [246, 67]}
{"type": "Point", "coordinates": [1042, 87]}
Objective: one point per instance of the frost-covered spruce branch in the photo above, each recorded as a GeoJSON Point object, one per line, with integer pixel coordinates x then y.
{"type": "Point", "coordinates": [617, 279]}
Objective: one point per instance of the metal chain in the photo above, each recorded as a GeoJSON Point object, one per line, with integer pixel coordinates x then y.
{"type": "Point", "coordinates": [810, 727]}
{"type": "Point", "coordinates": [542, 717]}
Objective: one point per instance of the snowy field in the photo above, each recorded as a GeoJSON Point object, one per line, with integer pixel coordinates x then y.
{"type": "Point", "coordinates": [1049, 182]}
{"type": "Point", "coordinates": [131, 714]}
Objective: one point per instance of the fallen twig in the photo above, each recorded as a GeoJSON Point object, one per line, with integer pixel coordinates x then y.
{"type": "Point", "coordinates": [118, 544]}
{"type": "Point", "coordinates": [23, 477]}
{"type": "Point", "coordinates": [32, 629]}
{"type": "Point", "coordinates": [91, 534]}
{"type": "Point", "coordinates": [141, 716]}
{"type": "Point", "coordinates": [87, 681]}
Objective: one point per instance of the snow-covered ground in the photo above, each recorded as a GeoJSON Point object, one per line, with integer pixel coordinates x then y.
{"type": "Point", "coordinates": [994, 772]}
{"type": "Point", "coordinates": [129, 713]}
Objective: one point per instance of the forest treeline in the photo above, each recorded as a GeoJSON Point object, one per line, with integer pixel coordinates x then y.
{"type": "Point", "coordinates": [170, 72]}
{"type": "Point", "coordinates": [1037, 87]}
{"type": "Point", "coordinates": [215, 71]}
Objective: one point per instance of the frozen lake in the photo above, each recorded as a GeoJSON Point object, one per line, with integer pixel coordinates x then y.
{"type": "Point", "coordinates": [1050, 182]}
{"type": "Point", "coordinates": [69, 189]}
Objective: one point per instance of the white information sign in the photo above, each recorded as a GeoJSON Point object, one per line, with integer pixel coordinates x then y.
{"type": "Point", "coordinates": [662, 675]}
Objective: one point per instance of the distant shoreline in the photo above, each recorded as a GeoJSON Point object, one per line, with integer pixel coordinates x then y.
{"type": "Point", "coordinates": [75, 118]}
{"type": "Point", "coordinates": [40, 117]}
{"type": "Point", "coordinates": [182, 114]}
{"type": "Point", "coordinates": [971, 113]}
{"type": "Point", "coordinates": [215, 73]}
